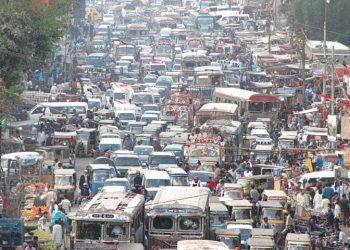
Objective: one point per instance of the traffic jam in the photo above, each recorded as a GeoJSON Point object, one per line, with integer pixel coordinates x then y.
{"type": "Point", "coordinates": [180, 124]}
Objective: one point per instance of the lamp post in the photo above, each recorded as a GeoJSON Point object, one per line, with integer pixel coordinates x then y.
{"type": "Point", "coordinates": [326, 2]}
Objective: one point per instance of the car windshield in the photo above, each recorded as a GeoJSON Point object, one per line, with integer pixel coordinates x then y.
{"type": "Point", "coordinates": [112, 147]}
{"type": "Point", "coordinates": [126, 161]}
{"type": "Point", "coordinates": [101, 175]}
{"type": "Point", "coordinates": [89, 230]}
{"type": "Point", "coordinates": [119, 96]}
{"type": "Point", "coordinates": [126, 116]}
{"type": "Point", "coordinates": [236, 195]}
{"type": "Point", "coordinates": [121, 183]}
{"type": "Point", "coordinates": [144, 99]}
{"type": "Point", "coordinates": [156, 160]}
{"type": "Point", "coordinates": [155, 183]}
{"type": "Point", "coordinates": [143, 150]}
{"type": "Point", "coordinates": [163, 223]}
{"type": "Point", "coordinates": [116, 231]}
{"type": "Point", "coordinates": [179, 181]}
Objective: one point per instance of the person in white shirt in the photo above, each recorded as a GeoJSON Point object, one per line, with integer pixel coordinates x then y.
{"type": "Point", "coordinates": [54, 90]}
{"type": "Point", "coordinates": [66, 205]}
{"type": "Point", "coordinates": [51, 196]}
{"type": "Point", "coordinates": [317, 202]}
{"type": "Point", "coordinates": [325, 202]}
{"type": "Point", "coordinates": [196, 182]}
{"type": "Point", "coordinates": [57, 235]}
{"type": "Point", "coordinates": [337, 215]}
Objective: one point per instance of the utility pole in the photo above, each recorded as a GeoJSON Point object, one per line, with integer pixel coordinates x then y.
{"type": "Point", "coordinates": [268, 27]}
{"type": "Point", "coordinates": [332, 83]}
{"type": "Point", "coordinates": [325, 46]}
{"type": "Point", "coordinates": [303, 42]}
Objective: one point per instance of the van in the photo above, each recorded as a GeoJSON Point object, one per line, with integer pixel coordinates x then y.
{"type": "Point", "coordinates": [113, 144]}
{"type": "Point", "coordinates": [58, 108]}
{"type": "Point", "coordinates": [152, 181]}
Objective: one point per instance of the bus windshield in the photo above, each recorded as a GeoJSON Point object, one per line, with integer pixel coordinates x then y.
{"type": "Point", "coordinates": [116, 231]}
{"type": "Point", "coordinates": [89, 230]}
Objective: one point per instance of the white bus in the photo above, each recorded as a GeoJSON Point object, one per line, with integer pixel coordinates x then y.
{"type": "Point", "coordinates": [251, 105]}
{"type": "Point", "coordinates": [110, 218]}
{"type": "Point", "coordinates": [177, 213]}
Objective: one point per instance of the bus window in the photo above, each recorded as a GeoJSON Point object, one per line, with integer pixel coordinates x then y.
{"type": "Point", "coordinates": [255, 107]}
{"type": "Point", "coordinates": [189, 223]}
{"type": "Point", "coordinates": [269, 106]}
{"type": "Point", "coordinates": [163, 223]}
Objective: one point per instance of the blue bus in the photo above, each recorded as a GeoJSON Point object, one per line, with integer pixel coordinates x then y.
{"type": "Point", "coordinates": [98, 60]}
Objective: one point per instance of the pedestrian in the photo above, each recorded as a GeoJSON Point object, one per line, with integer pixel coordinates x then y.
{"type": "Point", "coordinates": [317, 201]}
{"type": "Point", "coordinates": [220, 187]}
{"type": "Point", "coordinates": [345, 209]}
{"type": "Point", "coordinates": [66, 204]}
{"type": "Point", "coordinates": [330, 216]}
{"type": "Point", "coordinates": [328, 191]}
{"type": "Point", "coordinates": [254, 194]}
{"type": "Point", "coordinates": [196, 182]}
{"type": "Point", "coordinates": [84, 178]}
{"type": "Point", "coordinates": [51, 197]}
{"type": "Point", "coordinates": [337, 215]}
{"type": "Point", "coordinates": [57, 235]}
{"type": "Point", "coordinates": [266, 224]}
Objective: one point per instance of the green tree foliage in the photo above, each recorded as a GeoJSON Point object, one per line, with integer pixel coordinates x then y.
{"type": "Point", "coordinates": [310, 15]}
{"type": "Point", "coordinates": [28, 30]}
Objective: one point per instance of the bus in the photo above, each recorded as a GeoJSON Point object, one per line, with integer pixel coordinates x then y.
{"type": "Point", "coordinates": [191, 60]}
{"type": "Point", "coordinates": [202, 20]}
{"type": "Point", "coordinates": [178, 213]}
{"type": "Point", "coordinates": [251, 105]}
{"type": "Point", "coordinates": [109, 218]}
{"type": "Point", "coordinates": [98, 60]}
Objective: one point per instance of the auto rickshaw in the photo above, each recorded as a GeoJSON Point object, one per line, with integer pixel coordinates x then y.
{"type": "Point", "coordinates": [65, 183]}
{"type": "Point", "coordinates": [232, 191]}
{"type": "Point", "coordinates": [98, 173]}
{"type": "Point", "coordinates": [230, 237]}
{"type": "Point", "coordinates": [275, 195]}
{"type": "Point", "coordinates": [218, 215]}
{"type": "Point", "coordinates": [298, 241]}
{"type": "Point", "coordinates": [86, 141]}
{"type": "Point", "coordinates": [274, 211]}
{"type": "Point", "coordinates": [261, 182]}
{"type": "Point", "coordinates": [62, 153]}
{"type": "Point", "coordinates": [64, 138]}
{"type": "Point", "coordinates": [144, 139]}
{"type": "Point", "coordinates": [241, 210]}
{"type": "Point", "coordinates": [136, 127]}
{"type": "Point", "coordinates": [261, 243]}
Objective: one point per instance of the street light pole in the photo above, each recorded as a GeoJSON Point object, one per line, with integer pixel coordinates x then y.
{"type": "Point", "coordinates": [325, 46]}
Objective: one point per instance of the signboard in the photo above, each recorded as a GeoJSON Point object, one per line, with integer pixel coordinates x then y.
{"type": "Point", "coordinates": [347, 158]}
{"type": "Point", "coordinates": [345, 128]}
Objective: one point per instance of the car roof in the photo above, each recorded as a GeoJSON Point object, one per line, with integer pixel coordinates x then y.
{"type": "Point", "coordinates": [162, 154]}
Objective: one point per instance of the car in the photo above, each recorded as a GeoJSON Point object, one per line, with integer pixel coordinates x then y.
{"type": "Point", "coordinates": [157, 158]}
{"type": "Point", "coordinates": [125, 162]}
{"type": "Point", "coordinates": [143, 152]}
{"type": "Point", "coordinates": [116, 182]}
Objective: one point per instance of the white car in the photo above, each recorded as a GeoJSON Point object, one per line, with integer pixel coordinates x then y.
{"type": "Point", "coordinates": [108, 18]}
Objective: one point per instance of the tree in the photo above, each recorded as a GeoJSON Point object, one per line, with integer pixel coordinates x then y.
{"type": "Point", "coordinates": [310, 14]}
{"type": "Point", "coordinates": [28, 30]}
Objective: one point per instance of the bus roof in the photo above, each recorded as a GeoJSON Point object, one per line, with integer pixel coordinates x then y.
{"type": "Point", "coordinates": [201, 244]}
{"type": "Point", "coordinates": [181, 196]}
{"type": "Point", "coordinates": [218, 107]}
{"type": "Point", "coordinates": [65, 104]}
{"type": "Point", "coordinates": [118, 204]}
{"type": "Point", "coordinates": [236, 94]}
